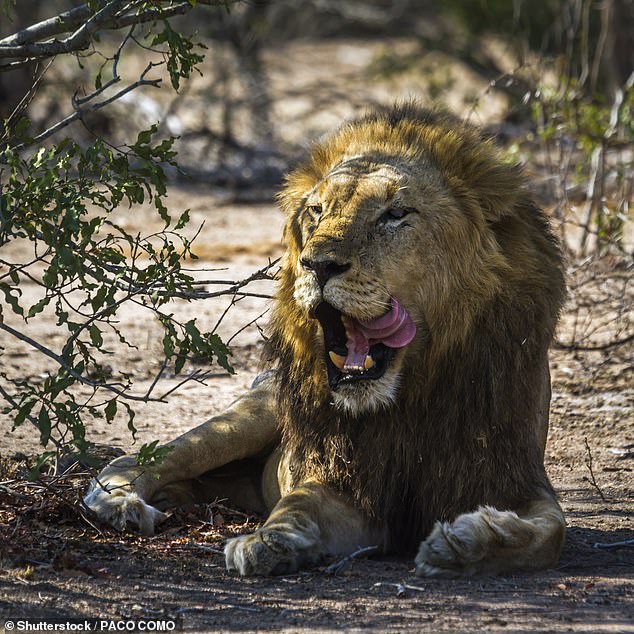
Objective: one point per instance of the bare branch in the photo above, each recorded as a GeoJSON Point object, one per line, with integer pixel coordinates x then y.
{"type": "Point", "coordinates": [78, 40]}
{"type": "Point", "coordinates": [592, 478]}
{"type": "Point", "coordinates": [81, 112]}
{"type": "Point", "coordinates": [342, 564]}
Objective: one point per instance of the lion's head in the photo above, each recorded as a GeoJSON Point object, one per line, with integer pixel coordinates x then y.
{"type": "Point", "coordinates": [417, 299]}
{"type": "Point", "coordinates": [393, 247]}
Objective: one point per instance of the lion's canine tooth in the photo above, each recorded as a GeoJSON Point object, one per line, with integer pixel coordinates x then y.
{"type": "Point", "coordinates": [352, 368]}
{"type": "Point", "coordinates": [337, 359]}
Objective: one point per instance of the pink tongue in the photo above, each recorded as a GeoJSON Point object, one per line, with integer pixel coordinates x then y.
{"type": "Point", "coordinates": [395, 329]}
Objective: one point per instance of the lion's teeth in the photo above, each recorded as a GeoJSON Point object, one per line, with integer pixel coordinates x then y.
{"type": "Point", "coordinates": [340, 362]}
{"type": "Point", "coordinates": [337, 359]}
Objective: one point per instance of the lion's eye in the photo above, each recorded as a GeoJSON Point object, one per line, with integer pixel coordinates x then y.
{"type": "Point", "coordinates": [315, 209]}
{"type": "Point", "coordinates": [395, 213]}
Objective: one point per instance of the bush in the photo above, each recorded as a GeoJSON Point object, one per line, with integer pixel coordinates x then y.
{"type": "Point", "coordinates": [59, 196]}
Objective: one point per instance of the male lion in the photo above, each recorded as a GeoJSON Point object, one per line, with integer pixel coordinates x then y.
{"type": "Point", "coordinates": [409, 405]}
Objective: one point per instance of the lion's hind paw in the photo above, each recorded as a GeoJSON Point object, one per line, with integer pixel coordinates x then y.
{"type": "Point", "coordinates": [118, 507]}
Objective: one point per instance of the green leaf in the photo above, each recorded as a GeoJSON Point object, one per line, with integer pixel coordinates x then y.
{"type": "Point", "coordinates": [50, 276]}
{"type": "Point", "coordinates": [42, 460]}
{"type": "Point", "coordinates": [145, 136]}
{"type": "Point", "coordinates": [180, 362]}
{"type": "Point", "coordinates": [183, 220]}
{"type": "Point", "coordinates": [44, 423]}
{"type": "Point", "coordinates": [192, 330]}
{"type": "Point", "coordinates": [168, 345]}
{"type": "Point", "coordinates": [23, 411]}
{"type": "Point", "coordinates": [150, 454]}
{"type": "Point", "coordinates": [95, 336]}
{"type": "Point", "coordinates": [222, 353]}
{"type": "Point", "coordinates": [131, 415]}
{"type": "Point", "coordinates": [162, 209]}
{"type": "Point", "coordinates": [11, 299]}
{"type": "Point", "coordinates": [20, 130]}
{"type": "Point", "coordinates": [110, 410]}
{"type": "Point", "coordinates": [38, 307]}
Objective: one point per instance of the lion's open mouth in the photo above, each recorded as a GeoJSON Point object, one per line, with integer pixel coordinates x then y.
{"type": "Point", "coordinates": [361, 351]}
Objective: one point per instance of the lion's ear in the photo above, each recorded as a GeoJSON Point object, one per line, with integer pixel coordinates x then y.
{"type": "Point", "coordinates": [497, 185]}
{"type": "Point", "coordinates": [475, 169]}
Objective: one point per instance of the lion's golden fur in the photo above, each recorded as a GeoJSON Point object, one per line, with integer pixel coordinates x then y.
{"type": "Point", "coordinates": [467, 428]}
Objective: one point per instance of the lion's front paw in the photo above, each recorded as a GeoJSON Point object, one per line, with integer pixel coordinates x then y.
{"type": "Point", "coordinates": [459, 547]}
{"type": "Point", "coordinates": [271, 551]}
{"type": "Point", "coordinates": [474, 543]}
{"type": "Point", "coordinates": [118, 507]}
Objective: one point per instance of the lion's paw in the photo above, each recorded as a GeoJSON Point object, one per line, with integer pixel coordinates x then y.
{"type": "Point", "coordinates": [118, 507]}
{"type": "Point", "coordinates": [271, 551]}
{"type": "Point", "coordinates": [470, 544]}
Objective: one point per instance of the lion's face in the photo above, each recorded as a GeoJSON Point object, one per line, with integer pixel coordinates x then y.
{"type": "Point", "coordinates": [393, 250]}
{"type": "Point", "coordinates": [373, 266]}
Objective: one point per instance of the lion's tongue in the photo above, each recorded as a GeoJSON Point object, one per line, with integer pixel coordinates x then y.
{"type": "Point", "coordinates": [395, 329]}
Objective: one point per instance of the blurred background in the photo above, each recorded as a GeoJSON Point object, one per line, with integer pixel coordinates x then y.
{"type": "Point", "coordinates": [548, 78]}
{"type": "Point", "coordinates": [551, 80]}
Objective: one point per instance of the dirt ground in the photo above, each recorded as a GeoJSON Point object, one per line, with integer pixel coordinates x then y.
{"type": "Point", "coordinates": [57, 562]}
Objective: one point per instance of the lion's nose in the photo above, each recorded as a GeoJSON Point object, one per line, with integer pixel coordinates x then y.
{"type": "Point", "coordinates": [324, 269]}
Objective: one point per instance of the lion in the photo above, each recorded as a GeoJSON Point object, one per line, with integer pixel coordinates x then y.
{"type": "Point", "coordinates": [408, 405]}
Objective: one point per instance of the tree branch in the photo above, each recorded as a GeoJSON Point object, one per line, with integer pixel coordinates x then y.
{"type": "Point", "coordinates": [82, 111]}
{"type": "Point", "coordinates": [81, 22]}
{"type": "Point", "coordinates": [76, 375]}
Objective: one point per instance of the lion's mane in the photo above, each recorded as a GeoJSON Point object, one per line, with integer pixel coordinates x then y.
{"type": "Point", "coordinates": [463, 430]}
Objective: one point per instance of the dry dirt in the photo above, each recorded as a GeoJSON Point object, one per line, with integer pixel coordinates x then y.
{"type": "Point", "coordinates": [56, 562]}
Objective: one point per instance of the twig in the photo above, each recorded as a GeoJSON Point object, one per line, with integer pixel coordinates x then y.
{"type": "Point", "coordinates": [76, 375]}
{"type": "Point", "coordinates": [207, 549]}
{"type": "Point", "coordinates": [81, 112]}
{"type": "Point", "coordinates": [339, 566]}
{"type": "Point", "coordinates": [592, 479]}
{"type": "Point", "coordinates": [401, 588]}
{"type": "Point", "coordinates": [200, 376]}
{"type": "Point", "coordinates": [609, 545]}
{"type": "Point", "coordinates": [247, 325]}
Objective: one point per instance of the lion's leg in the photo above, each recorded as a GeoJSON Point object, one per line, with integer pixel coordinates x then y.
{"type": "Point", "coordinates": [312, 521]}
{"type": "Point", "coordinates": [123, 491]}
{"type": "Point", "coordinates": [489, 541]}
